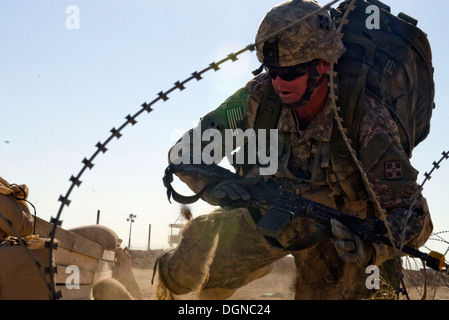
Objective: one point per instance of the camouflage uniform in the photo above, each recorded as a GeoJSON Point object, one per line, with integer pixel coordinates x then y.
{"type": "Point", "coordinates": [222, 251]}
{"type": "Point", "coordinates": [305, 169]}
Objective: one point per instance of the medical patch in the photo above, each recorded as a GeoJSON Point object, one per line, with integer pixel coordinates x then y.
{"type": "Point", "coordinates": [393, 170]}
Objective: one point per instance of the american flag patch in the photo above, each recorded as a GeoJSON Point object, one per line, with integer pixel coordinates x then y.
{"type": "Point", "coordinates": [393, 170]}
{"type": "Point", "coordinates": [234, 116]}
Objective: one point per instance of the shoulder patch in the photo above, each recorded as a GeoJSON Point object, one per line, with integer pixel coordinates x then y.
{"type": "Point", "coordinates": [214, 125]}
{"type": "Point", "coordinates": [393, 170]}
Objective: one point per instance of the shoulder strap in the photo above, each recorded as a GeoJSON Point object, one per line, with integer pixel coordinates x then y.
{"type": "Point", "coordinates": [269, 110]}
{"type": "Point", "coordinates": [353, 84]}
{"type": "Point", "coordinates": [344, 171]}
{"type": "Point", "coordinates": [267, 117]}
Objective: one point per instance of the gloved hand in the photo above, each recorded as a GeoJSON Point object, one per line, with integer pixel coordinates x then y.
{"type": "Point", "coordinates": [350, 247]}
{"type": "Point", "coordinates": [230, 193]}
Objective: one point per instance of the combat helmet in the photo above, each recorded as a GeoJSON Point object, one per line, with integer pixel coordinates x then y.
{"type": "Point", "coordinates": [283, 42]}
{"type": "Point", "coordinates": [311, 39]}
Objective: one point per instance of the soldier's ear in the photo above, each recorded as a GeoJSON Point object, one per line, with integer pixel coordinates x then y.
{"type": "Point", "coordinates": [323, 67]}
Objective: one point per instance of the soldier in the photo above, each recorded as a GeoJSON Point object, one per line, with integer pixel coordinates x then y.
{"type": "Point", "coordinates": [222, 251]}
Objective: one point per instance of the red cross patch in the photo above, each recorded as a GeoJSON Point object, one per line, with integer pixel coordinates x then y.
{"type": "Point", "coordinates": [393, 170]}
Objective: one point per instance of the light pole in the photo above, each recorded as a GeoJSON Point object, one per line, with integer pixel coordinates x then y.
{"type": "Point", "coordinates": [131, 220]}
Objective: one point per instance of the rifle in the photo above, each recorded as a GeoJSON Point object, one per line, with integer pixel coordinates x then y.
{"type": "Point", "coordinates": [281, 207]}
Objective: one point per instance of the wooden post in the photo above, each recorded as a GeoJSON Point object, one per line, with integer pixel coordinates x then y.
{"type": "Point", "coordinates": [98, 216]}
{"type": "Point", "coordinates": [149, 235]}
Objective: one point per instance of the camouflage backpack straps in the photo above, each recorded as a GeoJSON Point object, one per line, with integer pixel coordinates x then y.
{"type": "Point", "coordinates": [269, 111]}
{"type": "Point", "coordinates": [267, 117]}
{"type": "Point", "coordinates": [393, 63]}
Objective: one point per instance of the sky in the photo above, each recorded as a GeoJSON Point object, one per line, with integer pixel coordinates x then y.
{"type": "Point", "coordinates": [70, 71]}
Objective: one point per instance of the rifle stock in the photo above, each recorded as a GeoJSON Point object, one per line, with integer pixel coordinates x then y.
{"type": "Point", "coordinates": [281, 207]}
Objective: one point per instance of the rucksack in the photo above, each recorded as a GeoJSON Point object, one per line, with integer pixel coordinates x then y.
{"type": "Point", "coordinates": [392, 63]}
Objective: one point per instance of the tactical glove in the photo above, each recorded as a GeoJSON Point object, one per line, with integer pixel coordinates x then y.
{"type": "Point", "coordinates": [350, 247]}
{"type": "Point", "coordinates": [230, 193]}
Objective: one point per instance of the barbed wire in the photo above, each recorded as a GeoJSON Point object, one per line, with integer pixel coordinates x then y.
{"type": "Point", "coordinates": [427, 177]}
{"type": "Point", "coordinates": [416, 271]}
{"type": "Point", "coordinates": [348, 7]}
{"type": "Point", "coordinates": [415, 264]}
{"type": "Point", "coordinates": [147, 107]}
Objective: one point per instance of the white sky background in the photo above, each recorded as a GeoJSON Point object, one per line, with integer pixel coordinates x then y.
{"type": "Point", "coordinates": [62, 91]}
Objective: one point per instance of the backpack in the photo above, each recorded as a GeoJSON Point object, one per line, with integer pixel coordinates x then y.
{"type": "Point", "coordinates": [393, 64]}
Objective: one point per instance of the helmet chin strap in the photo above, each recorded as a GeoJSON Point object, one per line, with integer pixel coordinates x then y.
{"type": "Point", "coordinates": [258, 71]}
{"type": "Point", "coordinates": [313, 82]}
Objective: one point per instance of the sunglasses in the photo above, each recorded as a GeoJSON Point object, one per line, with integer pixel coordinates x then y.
{"type": "Point", "coordinates": [289, 73]}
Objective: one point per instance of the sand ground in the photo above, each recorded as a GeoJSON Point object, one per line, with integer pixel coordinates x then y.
{"type": "Point", "coordinates": [279, 284]}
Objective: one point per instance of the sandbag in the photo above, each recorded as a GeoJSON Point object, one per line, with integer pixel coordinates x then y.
{"type": "Point", "coordinates": [15, 209]}
{"type": "Point", "coordinates": [19, 276]}
{"type": "Point", "coordinates": [123, 273]}
{"type": "Point", "coordinates": [110, 289]}
{"type": "Point", "coordinates": [99, 234]}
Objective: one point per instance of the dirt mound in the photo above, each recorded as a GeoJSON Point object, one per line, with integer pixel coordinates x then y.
{"type": "Point", "coordinates": [417, 278]}
{"type": "Point", "coordinates": [144, 259]}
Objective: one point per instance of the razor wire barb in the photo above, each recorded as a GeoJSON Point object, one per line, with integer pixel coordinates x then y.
{"type": "Point", "coordinates": [427, 177]}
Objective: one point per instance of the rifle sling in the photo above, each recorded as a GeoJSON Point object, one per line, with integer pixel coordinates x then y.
{"type": "Point", "coordinates": [171, 193]}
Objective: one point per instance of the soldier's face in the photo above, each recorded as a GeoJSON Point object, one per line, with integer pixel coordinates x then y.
{"type": "Point", "coordinates": [290, 91]}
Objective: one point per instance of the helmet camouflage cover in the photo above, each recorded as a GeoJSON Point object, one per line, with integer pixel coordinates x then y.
{"type": "Point", "coordinates": [313, 38]}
